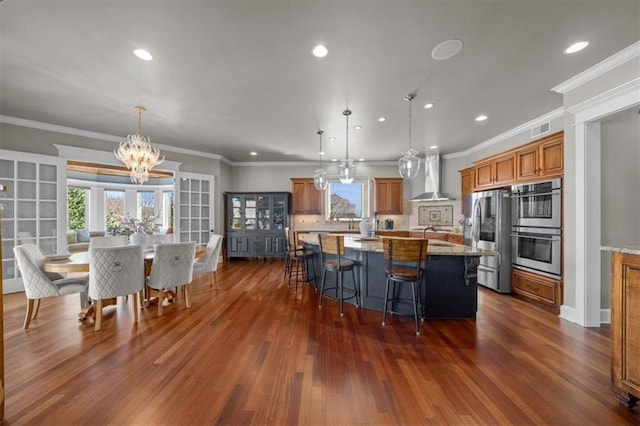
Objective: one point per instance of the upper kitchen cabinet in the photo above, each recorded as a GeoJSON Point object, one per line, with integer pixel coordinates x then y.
{"type": "Point", "coordinates": [306, 198]}
{"type": "Point", "coordinates": [534, 161]}
{"type": "Point", "coordinates": [387, 194]}
{"type": "Point", "coordinates": [541, 159]}
{"type": "Point", "coordinates": [467, 180]}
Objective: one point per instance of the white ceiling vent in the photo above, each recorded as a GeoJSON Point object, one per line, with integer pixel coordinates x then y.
{"type": "Point", "coordinates": [541, 129]}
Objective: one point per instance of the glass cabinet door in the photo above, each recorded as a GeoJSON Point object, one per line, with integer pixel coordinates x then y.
{"type": "Point", "coordinates": [264, 213]}
{"type": "Point", "coordinates": [236, 213]}
{"type": "Point", "coordinates": [279, 212]}
{"type": "Point", "coordinates": [250, 213]}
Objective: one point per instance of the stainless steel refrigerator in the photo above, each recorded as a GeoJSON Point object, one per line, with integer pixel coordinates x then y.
{"type": "Point", "coordinates": [489, 227]}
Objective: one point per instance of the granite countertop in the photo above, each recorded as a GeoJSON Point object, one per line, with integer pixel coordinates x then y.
{"type": "Point", "coordinates": [335, 231]}
{"type": "Point", "coordinates": [621, 249]}
{"type": "Point", "coordinates": [436, 248]}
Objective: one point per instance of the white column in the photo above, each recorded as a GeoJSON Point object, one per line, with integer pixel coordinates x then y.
{"type": "Point", "coordinates": [131, 202]}
{"type": "Point", "coordinates": [588, 224]}
{"type": "Point", "coordinates": [96, 216]}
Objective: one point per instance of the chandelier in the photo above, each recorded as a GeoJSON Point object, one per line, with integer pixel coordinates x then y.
{"type": "Point", "coordinates": [347, 168]}
{"type": "Point", "coordinates": [138, 154]}
{"type": "Point", "coordinates": [320, 176]}
{"type": "Point", "coordinates": [409, 163]}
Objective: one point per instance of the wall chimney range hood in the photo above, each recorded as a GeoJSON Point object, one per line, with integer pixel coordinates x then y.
{"type": "Point", "coordinates": [432, 181]}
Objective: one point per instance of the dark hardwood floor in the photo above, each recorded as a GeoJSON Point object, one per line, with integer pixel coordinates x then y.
{"type": "Point", "coordinates": [257, 353]}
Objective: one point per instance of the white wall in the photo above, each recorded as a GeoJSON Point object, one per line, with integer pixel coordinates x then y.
{"type": "Point", "coordinates": [620, 189]}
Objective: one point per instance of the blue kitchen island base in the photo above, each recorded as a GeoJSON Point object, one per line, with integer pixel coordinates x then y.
{"type": "Point", "coordinates": [449, 289]}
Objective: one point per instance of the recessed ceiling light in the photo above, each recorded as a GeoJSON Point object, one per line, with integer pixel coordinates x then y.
{"type": "Point", "coordinates": [321, 153]}
{"type": "Point", "coordinates": [253, 153]}
{"type": "Point", "coordinates": [334, 159]}
{"type": "Point", "coordinates": [481, 117]}
{"type": "Point", "coordinates": [358, 127]}
{"type": "Point", "coordinates": [332, 138]}
{"type": "Point", "coordinates": [576, 47]}
{"type": "Point", "coordinates": [428, 106]}
{"type": "Point", "coordinates": [433, 147]}
{"type": "Point", "coordinates": [143, 54]}
{"type": "Point", "coordinates": [360, 159]}
{"type": "Point", "coordinates": [446, 49]}
{"type": "Point", "coordinates": [381, 119]}
{"type": "Point", "coordinates": [320, 51]}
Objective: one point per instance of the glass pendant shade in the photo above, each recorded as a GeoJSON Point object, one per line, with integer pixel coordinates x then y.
{"type": "Point", "coordinates": [409, 164]}
{"type": "Point", "coordinates": [346, 168]}
{"type": "Point", "coordinates": [320, 180]}
{"type": "Point", "coordinates": [346, 171]}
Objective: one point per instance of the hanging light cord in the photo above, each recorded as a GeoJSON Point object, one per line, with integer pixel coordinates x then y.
{"type": "Point", "coordinates": [140, 110]}
{"type": "Point", "coordinates": [347, 113]}
{"type": "Point", "coordinates": [320, 132]}
{"type": "Point", "coordinates": [409, 98]}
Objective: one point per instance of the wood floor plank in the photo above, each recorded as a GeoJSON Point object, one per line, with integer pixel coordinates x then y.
{"type": "Point", "coordinates": [257, 352]}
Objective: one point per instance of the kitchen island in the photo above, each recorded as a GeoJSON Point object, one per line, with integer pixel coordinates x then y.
{"type": "Point", "coordinates": [450, 285]}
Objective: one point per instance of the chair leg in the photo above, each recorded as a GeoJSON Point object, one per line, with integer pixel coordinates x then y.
{"type": "Point", "coordinates": [98, 314]}
{"type": "Point", "coordinates": [415, 307]}
{"type": "Point", "coordinates": [355, 288]}
{"type": "Point", "coordinates": [35, 314]}
{"type": "Point", "coordinates": [386, 301]}
{"type": "Point", "coordinates": [324, 277]}
{"type": "Point", "coordinates": [214, 274]}
{"type": "Point", "coordinates": [341, 285]}
{"type": "Point", "coordinates": [27, 315]}
{"type": "Point", "coordinates": [160, 300]}
{"type": "Point", "coordinates": [136, 299]}
{"type": "Point", "coordinates": [187, 301]}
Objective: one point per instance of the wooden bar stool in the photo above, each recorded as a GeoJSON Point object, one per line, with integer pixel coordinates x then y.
{"type": "Point", "coordinates": [298, 255]}
{"type": "Point", "coordinates": [406, 259]}
{"type": "Point", "coordinates": [331, 252]}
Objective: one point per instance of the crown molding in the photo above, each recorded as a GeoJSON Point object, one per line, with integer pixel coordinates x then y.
{"type": "Point", "coordinates": [600, 68]}
{"type": "Point", "coordinates": [32, 124]}
{"type": "Point", "coordinates": [552, 115]}
{"type": "Point", "coordinates": [625, 96]}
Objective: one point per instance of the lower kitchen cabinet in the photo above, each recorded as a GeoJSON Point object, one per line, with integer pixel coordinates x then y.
{"type": "Point", "coordinates": [625, 327]}
{"type": "Point", "coordinates": [541, 290]}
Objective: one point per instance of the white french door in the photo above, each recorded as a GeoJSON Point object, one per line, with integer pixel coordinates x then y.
{"type": "Point", "coordinates": [194, 207]}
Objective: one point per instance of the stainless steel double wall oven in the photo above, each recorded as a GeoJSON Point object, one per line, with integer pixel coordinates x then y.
{"type": "Point", "coordinates": [536, 210]}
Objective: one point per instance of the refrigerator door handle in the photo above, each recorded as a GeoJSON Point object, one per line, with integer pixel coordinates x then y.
{"type": "Point", "coordinates": [475, 217]}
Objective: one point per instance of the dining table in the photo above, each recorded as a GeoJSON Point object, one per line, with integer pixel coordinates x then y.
{"type": "Point", "coordinates": [79, 262]}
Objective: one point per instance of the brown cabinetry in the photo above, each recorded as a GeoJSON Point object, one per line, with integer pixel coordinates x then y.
{"type": "Point", "coordinates": [543, 291]}
{"type": "Point", "coordinates": [387, 194]}
{"type": "Point", "coordinates": [455, 238]}
{"type": "Point", "coordinates": [534, 161]}
{"type": "Point", "coordinates": [306, 198]}
{"type": "Point", "coordinates": [625, 327]}
{"type": "Point", "coordinates": [467, 178]}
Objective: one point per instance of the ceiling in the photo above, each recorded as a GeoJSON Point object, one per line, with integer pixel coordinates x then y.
{"type": "Point", "coordinates": [230, 77]}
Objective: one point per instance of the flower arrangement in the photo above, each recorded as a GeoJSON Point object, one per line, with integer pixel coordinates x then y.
{"type": "Point", "coordinates": [146, 224]}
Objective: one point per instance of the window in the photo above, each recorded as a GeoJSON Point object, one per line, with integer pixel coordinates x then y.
{"type": "Point", "coordinates": [146, 204]}
{"type": "Point", "coordinates": [167, 210]}
{"type": "Point", "coordinates": [346, 201]}
{"type": "Point", "coordinates": [114, 206]}
{"type": "Point", "coordinates": [76, 207]}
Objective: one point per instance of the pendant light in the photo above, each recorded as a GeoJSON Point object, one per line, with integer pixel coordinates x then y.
{"type": "Point", "coordinates": [138, 154]}
{"type": "Point", "coordinates": [409, 163]}
{"type": "Point", "coordinates": [347, 168]}
{"type": "Point", "coordinates": [320, 176]}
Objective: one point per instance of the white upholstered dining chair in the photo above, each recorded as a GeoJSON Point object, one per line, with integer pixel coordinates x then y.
{"type": "Point", "coordinates": [39, 284]}
{"type": "Point", "coordinates": [111, 241]}
{"type": "Point", "coordinates": [172, 267]}
{"type": "Point", "coordinates": [208, 263]}
{"type": "Point", "coordinates": [115, 272]}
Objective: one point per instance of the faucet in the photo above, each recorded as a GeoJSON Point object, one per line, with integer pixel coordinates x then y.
{"type": "Point", "coordinates": [427, 229]}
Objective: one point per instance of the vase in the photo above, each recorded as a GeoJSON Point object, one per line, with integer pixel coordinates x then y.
{"type": "Point", "coordinates": [365, 227]}
{"type": "Point", "coordinates": [139, 239]}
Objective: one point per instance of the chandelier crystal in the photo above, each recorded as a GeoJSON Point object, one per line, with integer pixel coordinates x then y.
{"type": "Point", "coordinates": [347, 168]}
{"type": "Point", "coordinates": [320, 176]}
{"type": "Point", "coordinates": [409, 163]}
{"type": "Point", "coordinates": [138, 154]}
